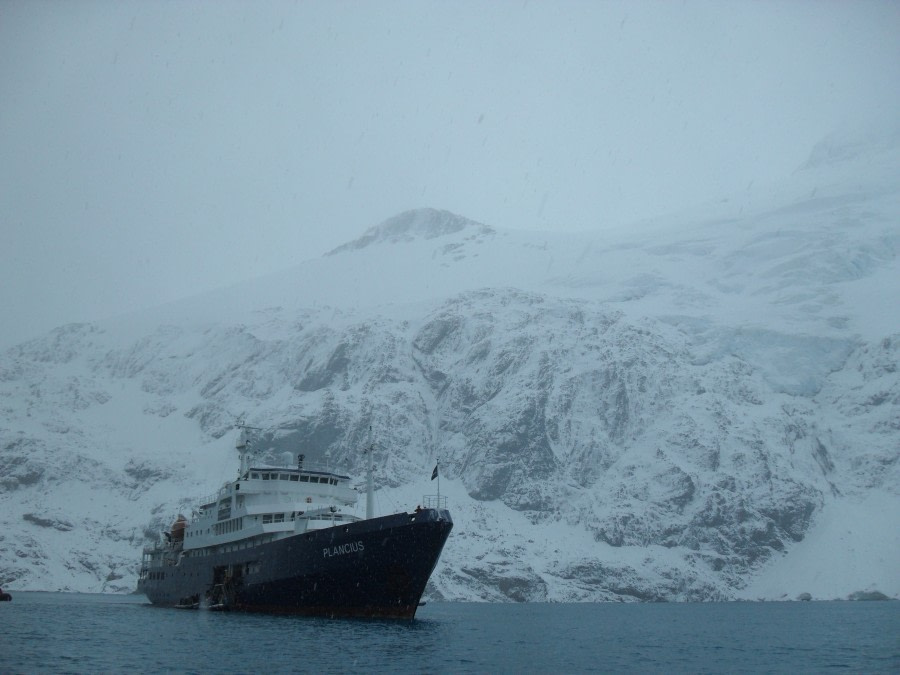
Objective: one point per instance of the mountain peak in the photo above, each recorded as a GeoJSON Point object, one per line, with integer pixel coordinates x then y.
{"type": "Point", "coordinates": [425, 223]}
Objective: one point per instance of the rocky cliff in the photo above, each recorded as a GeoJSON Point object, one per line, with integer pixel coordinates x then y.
{"type": "Point", "coordinates": [623, 416]}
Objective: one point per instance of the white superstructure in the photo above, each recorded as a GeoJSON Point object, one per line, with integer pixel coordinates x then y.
{"type": "Point", "coordinates": [263, 504]}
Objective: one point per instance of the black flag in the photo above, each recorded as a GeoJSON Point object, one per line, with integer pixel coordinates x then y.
{"type": "Point", "coordinates": [434, 473]}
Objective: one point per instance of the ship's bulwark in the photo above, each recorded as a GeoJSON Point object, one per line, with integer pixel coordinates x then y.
{"type": "Point", "coordinates": [371, 568]}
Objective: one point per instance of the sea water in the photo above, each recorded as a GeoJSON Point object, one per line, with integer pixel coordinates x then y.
{"type": "Point", "coordinates": [73, 633]}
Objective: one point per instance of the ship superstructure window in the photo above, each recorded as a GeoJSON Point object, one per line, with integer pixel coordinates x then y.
{"type": "Point", "coordinates": [293, 477]}
{"type": "Point", "coordinates": [304, 479]}
{"type": "Point", "coordinates": [229, 526]}
{"type": "Point", "coordinates": [278, 518]}
{"type": "Point", "coordinates": [265, 476]}
{"type": "Point", "coordinates": [254, 475]}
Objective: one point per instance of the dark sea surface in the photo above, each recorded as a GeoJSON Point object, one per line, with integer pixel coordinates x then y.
{"type": "Point", "coordinates": [74, 633]}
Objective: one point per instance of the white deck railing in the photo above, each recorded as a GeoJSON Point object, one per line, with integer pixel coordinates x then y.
{"type": "Point", "coordinates": [434, 502]}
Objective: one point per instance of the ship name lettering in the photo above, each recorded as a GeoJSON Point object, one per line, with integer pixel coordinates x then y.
{"type": "Point", "coordinates": [343, 549]}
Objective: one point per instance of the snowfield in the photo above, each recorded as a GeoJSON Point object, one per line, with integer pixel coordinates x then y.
{"type": "Point", "coordinates": [705, 407]}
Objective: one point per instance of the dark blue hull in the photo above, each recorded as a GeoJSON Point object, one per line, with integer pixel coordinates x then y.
{"type": "Point", "coordinates": [371, 568]}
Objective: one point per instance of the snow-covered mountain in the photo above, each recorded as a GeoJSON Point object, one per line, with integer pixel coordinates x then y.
{"type": "Point", "coordinates": [703, 407]}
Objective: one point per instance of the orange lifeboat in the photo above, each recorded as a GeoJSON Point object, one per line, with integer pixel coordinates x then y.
{"type": "Point", "coordinates": [178, 528]}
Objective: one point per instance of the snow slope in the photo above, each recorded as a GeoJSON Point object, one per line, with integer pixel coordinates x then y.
{"type": "Point", "coordinates": [853, 545]}
{"type": "Point", "coordinates": [700, 408]}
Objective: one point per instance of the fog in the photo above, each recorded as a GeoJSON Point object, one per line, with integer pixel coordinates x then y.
{"type": "Point", "coordinates": [151, 151]}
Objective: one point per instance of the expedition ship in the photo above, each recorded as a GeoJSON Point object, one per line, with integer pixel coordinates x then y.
{"type": "Point", "coordinates": [277, 539]}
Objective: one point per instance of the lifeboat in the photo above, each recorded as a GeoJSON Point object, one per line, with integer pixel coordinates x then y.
{"type": "Point", "coordinates": [178, 527]}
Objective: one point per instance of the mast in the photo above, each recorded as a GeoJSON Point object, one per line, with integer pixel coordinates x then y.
{"type": "Point", "coordinates": [370, 484]}
{"type": "Point", "coordinates": [243, 446]}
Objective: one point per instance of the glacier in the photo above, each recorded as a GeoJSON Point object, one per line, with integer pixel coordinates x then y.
{"type": "Point", "coordinates": [702, 407]}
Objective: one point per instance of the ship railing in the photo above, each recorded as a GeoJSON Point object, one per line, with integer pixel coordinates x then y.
{"type": "Point", "coordinates": [213, 499]}
{"type": "Point", "coordinates": [434, 502]}
{"type": "Point", "coordinates": [319, 468]}
{"type": "Point", "coordinates": [307, 467]}
{"type": "Point", "coordinates": [209, 500]}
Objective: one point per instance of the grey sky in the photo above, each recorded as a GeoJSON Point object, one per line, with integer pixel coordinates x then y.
{"type": "Point", "coordinates": [151, 150]}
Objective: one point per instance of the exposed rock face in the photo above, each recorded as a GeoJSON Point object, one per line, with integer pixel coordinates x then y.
{"type": "Point", "coordinates": [415, 224]}
{"type": "Point", "coordinates": [622, 443]}
{"type": "Point", "coordinates": [561, 411]}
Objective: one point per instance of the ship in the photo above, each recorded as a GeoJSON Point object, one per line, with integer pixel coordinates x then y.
{"type": "Point", "coordinates": [282, 539]}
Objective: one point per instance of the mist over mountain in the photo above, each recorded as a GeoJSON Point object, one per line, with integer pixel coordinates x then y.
{"type": "Point", "coordinates": [701, 407]}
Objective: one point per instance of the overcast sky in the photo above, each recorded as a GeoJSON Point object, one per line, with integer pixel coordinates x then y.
{"type": "Point", "coordinates": [153, 150]}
